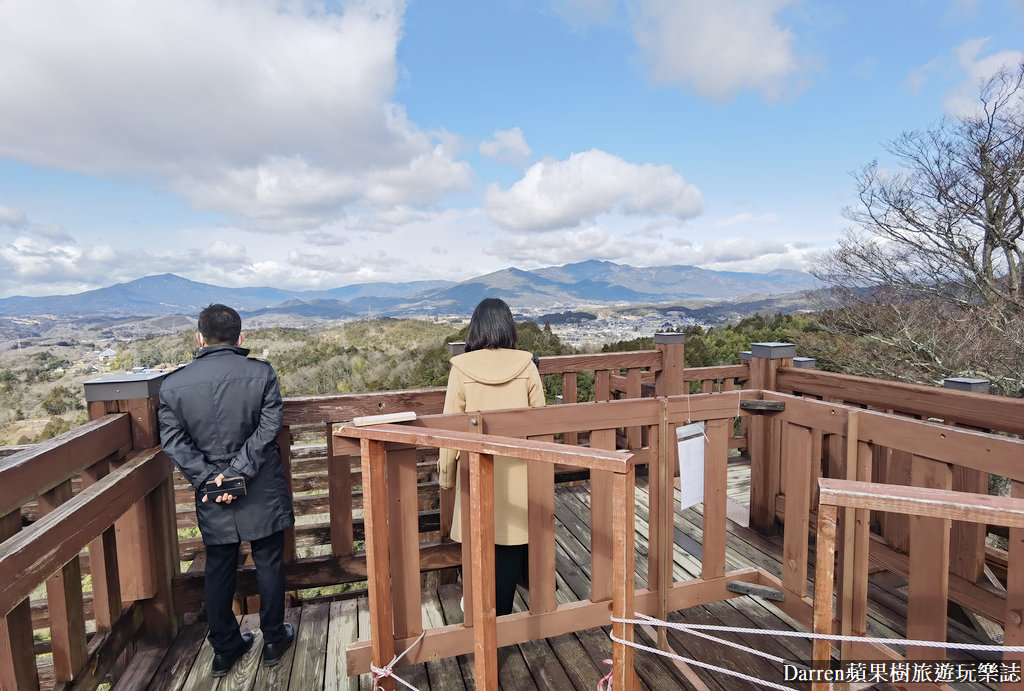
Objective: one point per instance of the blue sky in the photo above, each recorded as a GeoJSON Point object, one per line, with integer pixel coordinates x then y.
{"type": "Point", "coordinates": [304, 144]}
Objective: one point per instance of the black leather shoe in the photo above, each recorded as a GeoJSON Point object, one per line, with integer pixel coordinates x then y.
{"type": "Point", "coordinates": [222, 664]}
{"type": "Point", "coordinates": [273, 652]}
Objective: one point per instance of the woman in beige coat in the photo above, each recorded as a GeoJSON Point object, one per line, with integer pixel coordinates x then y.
{"type": "Point", "coordinates": [492, 375]}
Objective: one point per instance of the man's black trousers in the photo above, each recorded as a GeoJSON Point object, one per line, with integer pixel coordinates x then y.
{"type": "Point", "coordinates": [221, 570]}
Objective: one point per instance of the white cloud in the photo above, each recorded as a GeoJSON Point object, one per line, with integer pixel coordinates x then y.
{"type": "Point", "coordinates": [549, 249]}
{"type": "Point", "coordinates": [507, 146]}
{"type": "Point", "coordinates": [11, 217]}
{"type": "Point", "coordinates": [962, 100]}
{"type": "Point", "coordinates": [562, 194]}
{"type": "Point", "coordinates": [279, 112]}
{"type": "Point", "coordinates": [716, 48]}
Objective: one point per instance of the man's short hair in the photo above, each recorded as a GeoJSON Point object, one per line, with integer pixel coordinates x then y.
{"type": "Point", "coordinates": [220, 324]}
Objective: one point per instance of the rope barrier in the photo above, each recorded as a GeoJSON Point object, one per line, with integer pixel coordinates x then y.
{"type": "Point", "coordinates": [606, 681]}
{"type": "Point", "coordinates": [698, 629]}
{"type": "Point", "coordinates": [976, 647]}
{"type": "Point", "coordinates": [388, 670]}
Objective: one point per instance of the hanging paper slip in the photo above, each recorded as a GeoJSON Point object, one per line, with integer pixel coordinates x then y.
{"type": "Point", "coordinates": [690, 439]}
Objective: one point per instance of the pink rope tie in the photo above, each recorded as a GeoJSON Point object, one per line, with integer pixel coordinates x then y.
{"type": "Point", "coordinates": [606, 682]}
{"type": "Point", "coordinates": [389, 671]}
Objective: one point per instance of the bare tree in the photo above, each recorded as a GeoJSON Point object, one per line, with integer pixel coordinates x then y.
{"type": "Point", "coordinates": [949, 223]}
{"type": "Point", "coordinates": [941, 240]}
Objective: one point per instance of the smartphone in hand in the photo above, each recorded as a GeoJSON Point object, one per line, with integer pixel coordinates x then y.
{"type": "Point", "coordinates": [235, 486]}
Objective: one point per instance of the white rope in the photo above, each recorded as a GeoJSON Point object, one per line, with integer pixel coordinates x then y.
{"type": "Point", "coordinates": [388, 669]}
{"type": "Point", "coordinates": [977, 647]}
{"type": "Point", "coordinates": [705, 665]}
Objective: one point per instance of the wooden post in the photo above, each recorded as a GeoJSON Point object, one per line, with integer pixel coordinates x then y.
{"type": "Point", "coordinates": [378, 559]}
{"type": "Point", "coordinates": [404, 545]}
{"type": "Point", "coordinates": [146, 536]}
{"type": "Point", "coordinates": [602, 534]}
{"type": "Point", "coordinates": [540, 478]}
{"type": "Point", "coordinates": [763, 437]}
{"type": "Point", "coordinates": [797, 453]}
{"type": "Point", "coordinates": [106, 588]}
{"type": "Point", "coordinates": [623, 574]}
{"type": "Point", "coordinates": [1014, 629]}
{"type": "Point", "coordinates": [485, 632]}
{"type": "Point", "coordinates": [967, 540]}
{"type": "Point", "coordinates": [716, 461]}
{"type": "Point", "coordinates": [339, 492]}
{"type": "Point", "coordinates": [823, 586]}
{"type": "Point", "coordinates": [17, 657]}
{"type": "Point", "coordinates": [569, 395]}
{"type": "Point", "coordinates": [929, 566]}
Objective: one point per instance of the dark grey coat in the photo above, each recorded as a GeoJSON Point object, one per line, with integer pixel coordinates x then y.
{"type": "Point", "coordinates": [222, 414]}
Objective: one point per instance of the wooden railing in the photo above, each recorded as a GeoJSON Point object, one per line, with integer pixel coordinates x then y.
{"type": "Point", "coordinates": [122, 515]}
{"type": "Point", "coordinates": [99, 501]}
{"type": "Point", "coordinates": [396, 619]}
{"type": "Point", "coordinates": [931, 511]}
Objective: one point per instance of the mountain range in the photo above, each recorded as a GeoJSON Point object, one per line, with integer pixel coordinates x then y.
{"type": "Point", "coordinates": [584, 284]}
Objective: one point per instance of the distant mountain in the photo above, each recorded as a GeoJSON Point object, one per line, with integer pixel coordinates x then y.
{"type": "Point", "coordinates": [572, 286]}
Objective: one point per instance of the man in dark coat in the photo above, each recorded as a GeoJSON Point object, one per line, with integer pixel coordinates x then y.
{"type": "Point", "coordinates": [219, 418]}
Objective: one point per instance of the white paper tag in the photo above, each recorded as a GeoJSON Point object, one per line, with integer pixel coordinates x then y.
{"type": "Point", "coordinates": [690, 440]}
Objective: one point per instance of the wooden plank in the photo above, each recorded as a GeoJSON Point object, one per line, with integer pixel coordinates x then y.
{"type": "Point", "coordinates": [404, 543]}
{"type": "Point", "coordinates": [633, 391]}
{"type": "Point", "coordinates": [307, 410]}
{"type": "Point", "coordinates": [481, 499]}
{"type": "Point", "coordinates": [623, 573]}
{"type": "Point", "coordinates": [106, 584]}
{"type": "Point", "coordinates": [601, 527]}
{"type": "Point", "coordinates": [967, 539]}
{"type": "Point", "coordinates": [284, 443]}
{"type": "Point", "coordinates": [861, 540]}
{"type": "Point", "coordinates": [797, 457]}
{"type": "Point", "coordinates": [339, 482]}
{"type": "Point", "coordinates": [569, 395]}
{"type": "Point", "coordinates": [1013, 632]}
{"type": "Point", "coordinates": [274, 678]}
{"type": "Point", "coordinates": [64, 600]}
{"type": "Point", "coordinates": [979, 410]}
{"type": "Point", "coordinates": [17, 657]}
{"type": "Point", "coordinates": [613, 461]}
{"type": "Point", "coordinates": [342, 630]}
{"type": "Point", "coordinates": [180, 658]}
{"type": "Point", "coordinates": [602, 385]}
{"type": "Point", "coordinates": [444, 673]}
{"type": "Point", "coordinates": [41, 467]}
{"type": "Point", "coordinates": [378, 560]}
{"type": "Point", "coordinates": [600, 361]}
{"type": "Point", "coordinates": [466, 518]}
{"type": "Point", "coordinates": [823, 585]}
{"type": "Point", "coordinates": [716, 461]}
{"type": "Point", "coordinates": [929, 565]}
{"type": "Point", "coordinates": [541, 493]}
{"type": "Point", "coordinates": [310, 647]}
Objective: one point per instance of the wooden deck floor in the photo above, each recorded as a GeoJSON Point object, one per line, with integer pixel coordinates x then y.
{"type": "Point", "coordinates": [574, 661]}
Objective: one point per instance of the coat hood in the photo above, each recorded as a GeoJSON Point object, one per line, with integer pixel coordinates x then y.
{"type": "Point", "coordinates": [493, 365]}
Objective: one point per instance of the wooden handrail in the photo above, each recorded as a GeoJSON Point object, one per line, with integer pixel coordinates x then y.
{"type": "Point", "coordinates": [923, 501]}
{"type": "Point", "coordinates": [975, 409]}
{"type": "Point", "coordinates": [29, 473]}
{"type": "Point", "coordinates": [526, 449]}
{"type": "Point", "coordinates": [33, 554]}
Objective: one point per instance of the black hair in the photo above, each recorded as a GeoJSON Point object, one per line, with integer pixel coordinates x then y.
{"type": "Point", "coordinates": [491, 326]}
{"type": "Point", "coordinates": [220, 325]}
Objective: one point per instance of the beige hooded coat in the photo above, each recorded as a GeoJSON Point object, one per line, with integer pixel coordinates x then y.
{"type": "Point", "coordinates": [493, 379]}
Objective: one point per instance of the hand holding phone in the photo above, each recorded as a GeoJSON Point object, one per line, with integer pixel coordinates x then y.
{"type": "Point", "coordinates": [233, 486]}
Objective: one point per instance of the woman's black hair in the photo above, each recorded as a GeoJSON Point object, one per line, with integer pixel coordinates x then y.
{"type": "Point", "coordinates": [491, 326]}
